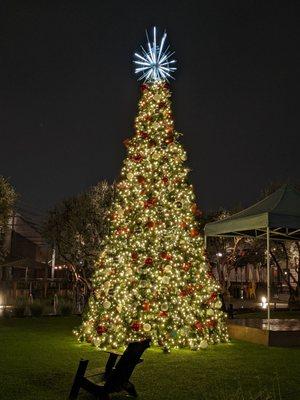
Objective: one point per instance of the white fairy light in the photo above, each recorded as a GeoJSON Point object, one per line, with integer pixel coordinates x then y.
{"type": "Point", "coordinates": [155, 64]}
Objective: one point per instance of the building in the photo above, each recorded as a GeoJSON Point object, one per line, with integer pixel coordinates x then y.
{"type": "Point", "coordinates": [26, 270]}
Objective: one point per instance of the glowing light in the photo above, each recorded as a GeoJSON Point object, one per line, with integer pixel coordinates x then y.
{"type": "Point", "coordinates": [155, 64]}
{"type": "Point", "coordinates": [152, 279]}
{"type": "Point", "coordinates": [264, 303]}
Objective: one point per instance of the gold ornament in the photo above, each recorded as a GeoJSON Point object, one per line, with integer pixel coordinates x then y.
{"type": "Point", "coordinates": [147, 327]}
{"type": "Point", "coordinates": [130, 176]}
{"type": "Point", "coordinates": [155, 155]}
{"type": "Point", "coordinates": [106, 304]}
{"type": "Point", "coordinates": [203, 344]}
{"type": "Point", "coordinates": [168, 269]}
{"type": "Point", "coordinates": [165, 280]}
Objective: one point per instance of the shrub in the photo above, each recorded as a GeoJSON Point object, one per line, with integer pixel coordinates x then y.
{"type": "Point", "coordinates": [7, 313]}
{"type": "Point", "coordinates": [36, 308]}
{"type": "Point", "coordinates": [65, 307]}
{"type": "Point", "coordinates": [19, 307]}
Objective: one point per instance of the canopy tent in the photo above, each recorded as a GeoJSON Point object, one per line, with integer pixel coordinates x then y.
{"type": "Point", "coordinates": [280, 212]}
{"type": "Point", "coordinates": [276, 217]}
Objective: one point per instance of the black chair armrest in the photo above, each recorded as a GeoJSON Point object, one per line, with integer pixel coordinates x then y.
{"type": "Point", "coordinates": [117, 353]}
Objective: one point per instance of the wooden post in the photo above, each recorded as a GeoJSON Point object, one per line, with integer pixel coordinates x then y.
{"type": "Point", "coordinates": [268, 275]}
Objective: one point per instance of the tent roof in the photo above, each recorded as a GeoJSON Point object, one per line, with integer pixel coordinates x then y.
{"type": "Point", "coordinates": [280, 212]}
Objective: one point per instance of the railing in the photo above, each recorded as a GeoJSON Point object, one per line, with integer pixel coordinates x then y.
{"type": "Point", "coordinates": [38, 288]}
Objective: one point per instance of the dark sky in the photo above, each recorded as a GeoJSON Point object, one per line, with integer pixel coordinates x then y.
{"type": "Point", "coordinates": [68, 95]}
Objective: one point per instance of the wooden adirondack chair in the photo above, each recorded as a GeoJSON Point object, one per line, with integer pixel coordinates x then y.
{"type": "Point", "coordinates": [116, 376]}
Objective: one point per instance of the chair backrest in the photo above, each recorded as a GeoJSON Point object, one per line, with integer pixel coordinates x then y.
{"type": "Point", "coordinates": [126, 364]}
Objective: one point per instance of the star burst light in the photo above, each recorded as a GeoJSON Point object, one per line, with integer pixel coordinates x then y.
{"type": "Point", "coordinates": [155, 63]}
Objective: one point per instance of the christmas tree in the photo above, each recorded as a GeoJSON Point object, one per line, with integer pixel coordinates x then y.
{"type": "Point", "coordinates": [152, 279]}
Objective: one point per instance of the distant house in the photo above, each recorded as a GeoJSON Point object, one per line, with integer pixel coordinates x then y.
{"type": "Point", "coordinates": [27, 267]}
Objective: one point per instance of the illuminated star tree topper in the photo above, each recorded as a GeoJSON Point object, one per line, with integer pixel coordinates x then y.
{"type": "Point", "coordinates": [155, 63]}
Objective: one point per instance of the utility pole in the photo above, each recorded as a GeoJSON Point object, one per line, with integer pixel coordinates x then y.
{"type": "Point", "coordinates": [53, 261]}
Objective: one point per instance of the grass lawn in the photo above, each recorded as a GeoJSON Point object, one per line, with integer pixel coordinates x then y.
{"type": "Point", "coordinates": [39, 358]}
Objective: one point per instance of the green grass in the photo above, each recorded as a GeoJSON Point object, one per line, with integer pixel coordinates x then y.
{"type": "Point", "coordinates": [39, 357]}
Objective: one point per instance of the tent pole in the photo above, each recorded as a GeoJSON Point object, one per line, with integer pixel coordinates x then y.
{"type": "Point", "coordinates": [268, 275]}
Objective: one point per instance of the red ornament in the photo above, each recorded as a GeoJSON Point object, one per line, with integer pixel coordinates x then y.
{"type": "Point", "coordinates": [186, 266]}
{"type": "Point", "coordinates": [166, 85]}
{"type": "Point", "coordinates": [101, 329]}
{"type": "Point", "coordinates": [170, 139]}
{"type": "Point", "coordinates": [136, 326]}
{"type": "Point", "coordinates": [144, 87]}
{"type": "Point", "coordinates": [194, 232]}
{"type": "Point", "coordinates": [150, 202]}
{"type": "Point", "coordinates": [212, 323]}
{"type": "Point", "coordinates": [143, 134]}
{"type": "Point", "coordinates": [150, 224]}
{"type": "Point", "coordinates": [113, 216]}
{"type": "Point", "coordinates": [141, 179]}
{"type": "Point", "coordinates": [134, 255]}
{"type": "Point", "coordinates": [146, 306]}
{"type": "Point", "coordinates": [213, 296]}
{"type": "Point", "coordinates": [165, 180]}
{"type": "Point", "coordinates": [166, 256]}
{"type": "Point", "coordinates": [196, 211]}
{"type": "Point", "coordinates": [183, 293]}
{"type": "Point", "coordinates": [163, 314]}
{"type": "Point", "coordinates": [137, 158]}
{"type": "Point", "coordinates": [148, 261]}
{"type": "Point", "coordinates": [198, 325]}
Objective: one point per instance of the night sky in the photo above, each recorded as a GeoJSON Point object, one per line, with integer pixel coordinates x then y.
{"type": "Point", "coordinates": [69, 95]}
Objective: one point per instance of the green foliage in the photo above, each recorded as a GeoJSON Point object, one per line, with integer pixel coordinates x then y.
{"type": "Point", "coordinates": [19, 307]}
{"type": "Point", "coordinates": [37, 308]}
{"type": "Point", "coordinates": [65, 307]}
{"type": "Point", "coordinates": [77, 226]}
{"type": "Point", "coordinates": [46, 356]}
{"type": "Point", "coordinates": [7, 200]}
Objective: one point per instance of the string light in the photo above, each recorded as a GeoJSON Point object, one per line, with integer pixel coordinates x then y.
{"type": "Point", "coordinates": [152, 279]}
